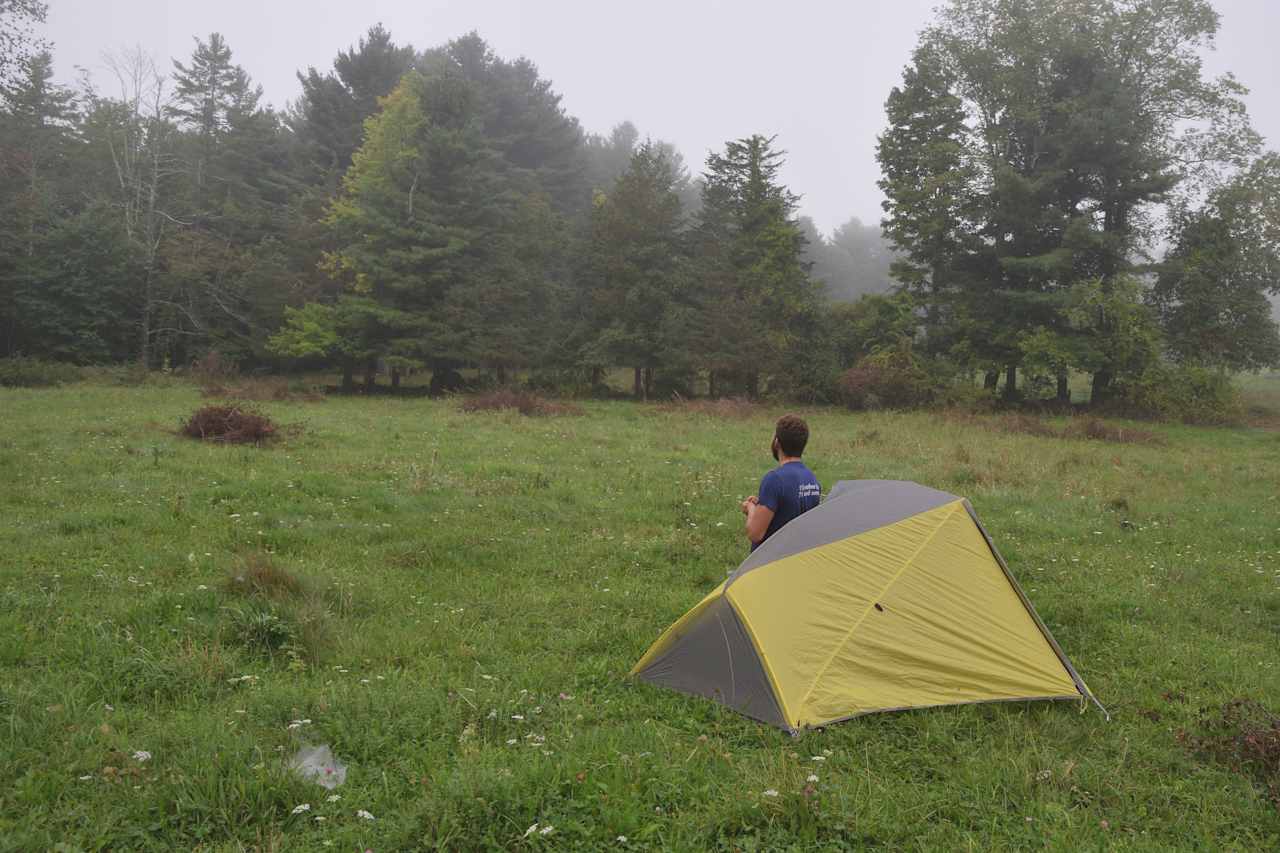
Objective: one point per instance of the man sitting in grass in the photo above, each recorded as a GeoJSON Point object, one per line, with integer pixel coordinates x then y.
{"type": "Point", "coordinates": [786, 491]}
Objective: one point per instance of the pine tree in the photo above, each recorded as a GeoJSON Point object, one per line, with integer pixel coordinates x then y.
{"type": "Point", "coordinates": [754, 288]}
{"type": "Point", "coordinates": [636, 273]}
{"type": "Point", "coordinates": [329, 117]}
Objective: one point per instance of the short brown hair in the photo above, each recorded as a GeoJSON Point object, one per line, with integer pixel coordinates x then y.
{"type": "Point", "coordinates": [793, 434]}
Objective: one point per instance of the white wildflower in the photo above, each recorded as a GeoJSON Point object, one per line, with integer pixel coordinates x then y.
{"type": "Point", "coordinates": [813, 777]}
{"type": "Point", "coordinates": [361, 813]}
{"type": "Point", "coordinates": [771, 793]}
{"type": "Point", "coordinates": [302, 807]}
{"type": "Point", "coordinates": [333, 798]}
{"type": "Point", "coordinates": [547, 830]}
{"type": "Point", "coordinates": [622, 839]}
{"type": "Point", "coordinates": [531, 830]}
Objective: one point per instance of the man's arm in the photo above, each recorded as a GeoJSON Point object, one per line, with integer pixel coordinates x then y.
{"type": "Point", "coordinates": [758, 518]}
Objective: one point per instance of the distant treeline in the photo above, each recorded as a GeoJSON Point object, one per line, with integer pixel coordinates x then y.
{"type": "Point", "coordinates": [438, 210]}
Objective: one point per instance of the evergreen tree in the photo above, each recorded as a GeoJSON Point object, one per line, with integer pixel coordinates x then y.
{"type": "Point", "coordinates": [636, 272]}
{"type": "Point", "coordinates": [1213, 287]}
{"type": "Point", "coordinates": [755, 294]}
{"type": "Point", "coordinates": [329, 117]}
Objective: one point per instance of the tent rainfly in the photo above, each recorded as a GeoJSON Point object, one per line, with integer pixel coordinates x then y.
{"type": "Point", "coordinates": [888, 596]}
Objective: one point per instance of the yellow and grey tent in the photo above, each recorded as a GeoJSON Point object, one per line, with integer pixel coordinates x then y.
{"type": "Point", "coordinates": [888, 596]}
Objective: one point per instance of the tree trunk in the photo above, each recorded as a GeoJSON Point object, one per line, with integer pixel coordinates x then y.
{"type": "Point", "coordinates": [648, 382]}
{"type": "Point", "coordinates": [1064, 388]}
{"type": "Point", "coordinates": [753, 385]}
{"type": "Point", "coordinates": [348, 375]}
{"type": "Point", "coordinates": [991, 380]}
{"type": "Point", "coordinates": [395, 378]}
{"type": "Point", "coordinates": [711, 384]}
{"type": "Point", "coordinates": [638, 389]}
{"type": "Point", "coordinates": [370, 374]}
{"type": "Point", "coordinates": [597, 376]}
{"type": "Point", "coordinates": [1101, 387]}
{"type": "Point", "coordinates": [144, 334]}
{"type": "Point", "coordinates": [1010, 382]}
{"type": "Point", "coordinates": [501, 372]}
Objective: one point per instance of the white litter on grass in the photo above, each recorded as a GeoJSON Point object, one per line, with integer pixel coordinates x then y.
{"type": "Point", "coordinates": [317, 764]}
{"type": "Point", "coordinates": [301, 807]}
{"type": "Point", "coordinates": [141, 756]}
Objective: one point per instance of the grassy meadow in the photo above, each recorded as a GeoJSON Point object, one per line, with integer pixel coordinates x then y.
{"type": "Point", "coordinates": [451, 602]}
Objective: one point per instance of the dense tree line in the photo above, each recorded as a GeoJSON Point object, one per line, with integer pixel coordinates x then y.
{"type": "Point", "coordinates": [1030, 151]}
{"type": "Point", "coordinates": [438, 210]}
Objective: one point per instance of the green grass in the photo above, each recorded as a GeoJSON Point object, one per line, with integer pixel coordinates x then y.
{"type": "Point", "coordinates": [415, 579]}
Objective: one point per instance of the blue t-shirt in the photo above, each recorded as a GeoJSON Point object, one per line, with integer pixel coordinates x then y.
{"type": "Point", "coordinates": [788, 490]}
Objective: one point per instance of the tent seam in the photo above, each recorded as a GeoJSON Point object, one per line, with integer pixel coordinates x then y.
{"type": "Point", "coordinates": [764, 661]}
{"type": "Point", "coordinates": [849, 634]}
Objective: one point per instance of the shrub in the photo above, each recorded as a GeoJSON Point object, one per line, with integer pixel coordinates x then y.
{"type": "Point", "coordinates": [22, 372]}
{"type": "Point", "coordinates": [891, 378]}
{"type": "Point", "coordinates": [1192, 395]}
{"type": "Point", "coordinates": [524, 402]}
{"type": "Point", "coordinates": [230, 423]}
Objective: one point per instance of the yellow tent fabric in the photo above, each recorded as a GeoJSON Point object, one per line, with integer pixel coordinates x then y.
{"type": "Point", "coordinates": [913, 613]}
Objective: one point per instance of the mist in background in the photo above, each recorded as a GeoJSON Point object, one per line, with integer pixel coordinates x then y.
{"type": "Point", "coordinates": [695, 74]}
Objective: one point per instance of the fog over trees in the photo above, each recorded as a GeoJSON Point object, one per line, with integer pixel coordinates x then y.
{"type": "Point", "coordinates": [433, 209]}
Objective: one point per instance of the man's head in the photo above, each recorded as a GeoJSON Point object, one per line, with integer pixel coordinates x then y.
{"type": "Point", "coordinates": [790, 436]}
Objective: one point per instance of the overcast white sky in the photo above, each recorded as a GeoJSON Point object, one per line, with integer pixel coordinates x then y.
{"type": "Point", "coordinates": [696, 72]}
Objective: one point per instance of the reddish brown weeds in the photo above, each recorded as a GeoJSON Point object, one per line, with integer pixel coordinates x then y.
{"type": "Point", "coordinates": [230, 423]}
{"type": "Point", "coordinates": [1245, 736]}
{"type": "Point", "coordinates": [524, 402]}
{"type": "Point", "coordinates": [1088, 428]}
{"type": "Point", "coordinates": [733, 408]}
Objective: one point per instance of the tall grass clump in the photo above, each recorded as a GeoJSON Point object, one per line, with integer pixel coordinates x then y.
{"type": "Point", "coordinates": [22, 372]}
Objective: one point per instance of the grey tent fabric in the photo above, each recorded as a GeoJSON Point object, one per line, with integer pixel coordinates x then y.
{"type": "Point", "coordinates": [851, 507]}
{"type": "Point", "coordinates": [716, 659]}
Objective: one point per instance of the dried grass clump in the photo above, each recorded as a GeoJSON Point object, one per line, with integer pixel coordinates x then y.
{"type": "Point", "coordinates": [231, 423]}
{"type": "Point", "coordinates": [1085, 428]}
{"type": "Point", "coordinates": [1099, 430]}
{"type": "Point", "coordinates": [524, 402]}
{"type": "Point", "coordinates": [729, 408]}
{"type": "Point", "coordinates": [256, 575]}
